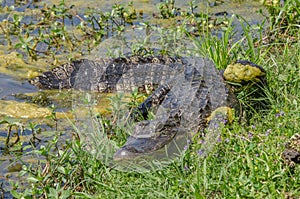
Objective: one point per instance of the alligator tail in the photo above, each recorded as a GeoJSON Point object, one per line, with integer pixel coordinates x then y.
{"type": "Point", "coordinates": [61, 77]}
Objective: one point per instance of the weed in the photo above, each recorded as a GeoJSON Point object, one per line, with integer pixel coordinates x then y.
{"type": "Point", "coordinates": [56, 29]}
{"type": "Point", "coordinates": [168, 10]}
{"type": "Point", "coordinates": [284, 20]}
{"type": "Point", "coordinates": [245, 163]}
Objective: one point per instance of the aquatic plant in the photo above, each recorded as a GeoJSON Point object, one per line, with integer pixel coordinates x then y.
{"type": "Point", "coordinates": [55, 29]}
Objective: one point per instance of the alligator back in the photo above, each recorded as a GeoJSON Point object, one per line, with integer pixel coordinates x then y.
{"type": "Point", "coordinates": [102, 75]}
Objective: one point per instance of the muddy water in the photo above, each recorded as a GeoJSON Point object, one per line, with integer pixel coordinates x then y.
{"type": "Point", "coordinates": [16, 104]}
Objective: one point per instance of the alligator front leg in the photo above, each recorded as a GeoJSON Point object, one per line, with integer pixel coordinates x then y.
{"type": "Point", "coordinates": [155, 99]}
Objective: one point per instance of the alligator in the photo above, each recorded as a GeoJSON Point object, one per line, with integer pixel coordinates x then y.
{"type": "Point", "coordinates": [190, 96]}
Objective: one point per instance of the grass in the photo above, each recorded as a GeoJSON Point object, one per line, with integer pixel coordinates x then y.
{"type": "Point", "coordinates": [246, 162]}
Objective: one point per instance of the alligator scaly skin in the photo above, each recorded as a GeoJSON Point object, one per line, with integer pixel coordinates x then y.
{"type": "Point", "coordinates": [189, 90]}
{"type": "Point", "coordinates": [192, 95]}
{"type": "Point", "coordinates": [102, 75]}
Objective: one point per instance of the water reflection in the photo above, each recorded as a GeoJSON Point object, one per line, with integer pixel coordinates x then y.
{"type": "Point", "coordinates": [9, 87]}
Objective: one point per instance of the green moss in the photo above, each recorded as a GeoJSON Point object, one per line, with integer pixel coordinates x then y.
{"type": "Point", "coordinates": [242, 73]}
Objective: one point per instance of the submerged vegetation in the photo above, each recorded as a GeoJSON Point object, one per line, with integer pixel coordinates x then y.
{"type": "Point", "coordinates": [246, 162]}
